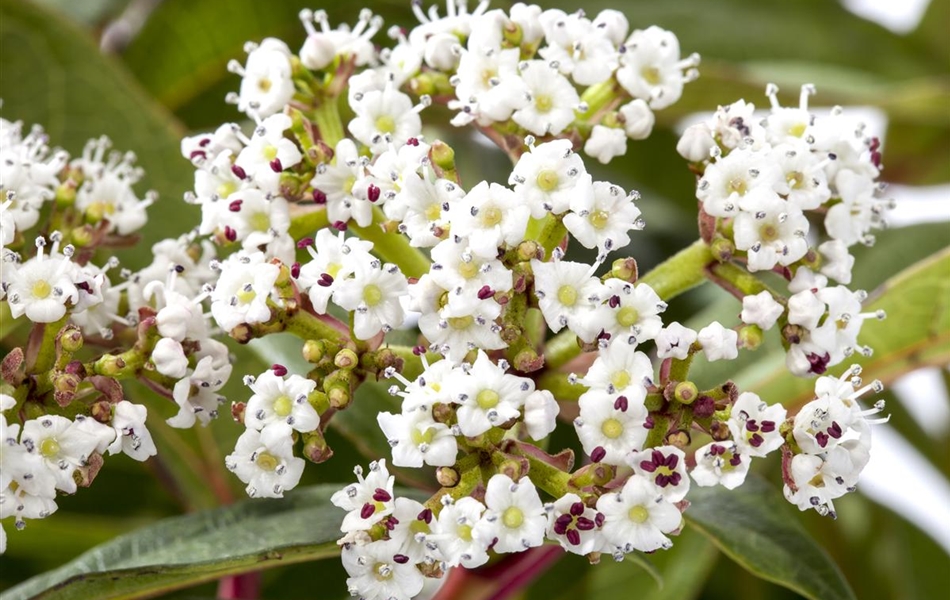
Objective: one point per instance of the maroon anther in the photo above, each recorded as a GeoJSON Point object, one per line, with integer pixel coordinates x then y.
{"type": "Point", "coordinates": [279, 370]}
{"type": "Point", "coordinates": [84, 286]}
{"type": "Point", "coordinates": [767, 426]}
{"type": "Point", "coordinates": [751, 425]}
{"type": "Point", "coordinates": [415, 142]}
{"type": "Point", "coordinates": [648, 423]}
{"type": "Point", "coordinates": [822, 438]}
{"type": "Point", "coordinates": [319, 197]}
{"type": "Point", "coordinates": [704, 406]}
{"type": "Point", "coordinates": [400, 558]}
{"type": "Point", "coordinates": [425, 516]}
{"type": "Point", "coordinates": [756, 440]}
{"type": "Point", "coordinates": [391, 523]}
{"type": "Point", "coordinates": [485, 293]}
{"type": "Point", "coordinates": [598, 454]}
{"type": "Point", "coordinates": [819, 364]}
{"type": "Point", "coordinates": [367, 511]}
{"type": "Point", "coordinates": [197, 153]}
{"type": "Point", "coordinates": [419, 350]}
{"type": "Point", "coordinates": [295, 270]}
{"type": "Point", "coordinates": [621, 403]}
{"type": "Point", "coordinates": [229, 234]}
{"type": "Point", "coordinates": [599, 519]}
{"type": "Point", "coordinates": [574, 537]}
{"type": "Point", "coordinates": [735, 460]}
{"type": "Point", "coordinates": [585, 524]}
{"type": "Point", "coordinates": [239, 172]}
{"type": "Point", "coordinates": [716, 450]}
{"type": "Point", "coordinates": [304, 242]}
{"type": "Point", "coordinates": [603, 335]}
{"type": "Point", "coordinates": [835, 430]}
{"type": "Point", "coordinates": [275, 166]}
{"type": "Point", "coordinates": [373, 192]}
{"type": "Point", "coordinates": [235, 205]}
{"type": "Point", "coordinates": [577, 509]}
{"type": "Point", "coordinates": [325, 280]}
{"type": "Point", "coordinates": [614, 301]}
{"type": "Point", "coordinates": [204, 142]}
{"type": "Point", "coordinates": [339, 225]}
{"type": "Point", "coordinates": [381, 495]}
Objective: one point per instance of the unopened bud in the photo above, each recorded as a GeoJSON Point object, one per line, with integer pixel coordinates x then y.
{"type": "Point", "coordinates": [64, 388]}
{"type": "Point", "coordinates": [66, 194]}
{"type": "Point", "coordinates": [528, 361]}
{"type": "Point", "coordinates": [722, 249]}
{"type": "Point", "coordinates": [313, 351]}
{"type": "Point", "coordinates": [70, 339]}
{"type": "Point", "coordinates": [101, 411]}
{"type": "Point", "coordinates": [696, 143]}
{"type": "Point", "coordinates": [237, 411]}
{"type": "Point", "coordinates": [750, 337]}
{"type": "Point", "coordinates": [339, 397]}
{"type": "Point", "coordinates": [442, 155]}
{"type": "Point", "coordinates": [686, 392]}
{"type": "Point", "coordinates": [447, 476]}
{"type": "Point", "coordinates": [346, 359]}
{"type": "Point", "coordinates": [625, 268]}
{"type": "Point", "coordinates": [529, 249]}
{"type": "Point", "coordinates": [704, 407]}
{"type": "Point", "coordinates": [81, 236]}
{"type": "Point", "coordinates": [680, 439]}
{"type": "Point", "coordinates": [315, 447]}
{"type": "Point", "coordinates": [443, 413]}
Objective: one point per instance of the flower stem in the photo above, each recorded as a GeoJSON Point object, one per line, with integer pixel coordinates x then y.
{"type": "Point", "coordinates": [393, 247]}
{"type": "Point", "coordinates": [735, 280]}
{"type": "Point", "coordinates": [326, 115]}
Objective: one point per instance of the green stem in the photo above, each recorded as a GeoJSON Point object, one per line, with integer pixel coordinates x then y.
{"type": "Point", "coordinates": [393, 247]}
{"type": "Point", "coordinates": [552, 234]}
{"type": "Point", "coordinates": [557, 384]}
{"type": "Point", "coordinates": [680, 273]}
{"type": "Point", "coordinates": [657, 435]}
{"type": "Point", "coordinates": [304, 225]}
{"type": "Point", "coordinates": [550, 479]}
{"type": "Point", "coordinates": [411, 362]}
{"type": "Point", "coordinates": [308, 327]}
{"type": "Point", "coordinates": [46, 355]}
{"type": "Point", "coordinates": [735, 280]}
{"type": "Point", "coordinates": [326, 115]}
{"type": "Point", "coordinates": [9, 325]}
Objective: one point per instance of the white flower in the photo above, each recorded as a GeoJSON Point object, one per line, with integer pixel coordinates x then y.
{"type": "Point", "coordinates": [838, 261]}
{"type": "Point", "coordinates": [278, 401]}
{"type": "Point", "coordinates": [620, 370]}
{"type": "Point", "coordinates": [718, 342]}
{"type": "Point", "coordinates": [772, 231]}
{"type": "Point", "coordinates": [265, 461]}
{"type": "Point", "coordinates": [807, 186]}
{"type": "Point", "coordinates": [579, 47]}
{"type": "Point", "coordinates": [425, 221]}
{"type": "Point", "coordinates": [606, 143]}
{"type": "Point", "coordinates": [378, 572]}
{"type": "Point", "coordinates": [487, 86]}
{"type": "Point", "coordinates": [610, 426]}
{"type": "Point", "coordinates": [374, 294]}
{"type": "Point", "coordinates": [741, 177]}
{"type": "Point", "coordinates": [550, 178]}
{"type": "Point", "coordinates": [635, 315]}
{"type": "Point", "coordinates": [551, 99]}
{"type": "Point", "coordinates": [489, 216]}
{"type": "Point", "coordinates": [604, 220]}
{"type": "Point", "coordinates": [568, 294]}
{"type": "Point", "coordinates": [674, 341]}
{"type": "Point", "coordinates": [322, 46]}
{"type": "Point", "coordinates": [385, 117]}
{"type": "Point", "coordinates": [637, 119]}
{"type": "Point", "coordinates": [574, 525]}
{"type": "Point", "coordinates": [106, 192]}
{"type": "Point", "coordinates": [169, 358]}
{"type": "Point", "coordinates": [332, 263]}
{"type": "Point", "coordinates": [859, 210]}
{"type": "Point", "coordinates": [269, 153]}
{"type": "Point", "coordinates": [818, 480]}
{"type": "Point", "coordinates": [369, 500]}
{"type": "Point", "coordinates": [244, 286]}
{"type": "Point", "coordinates": [131, 436]}
{"type": "Point", "coordinates": [696, 143]}
{"type": "Point", "coordinates": [196, 394]}
{"type": "Point", "coordinates": [755, 425]}
{"type": "Point", "coordinates": [417, 439]}
{"type": "Point", "coordinates": [344, 186]}
{"type": "Point", "coordinates": [651, 68]}
{"type": "Point", "coordinates": [720, 463]}
{"type": "Point", "coordinates": [41, 287]}
{"type": "Point", "coordinates": [455, 538]}
{"type": "Point", "coordinates": [515, 515]}
{"type": "Point", "coordinates": [761, 309]}
{"type": "Point", "coordinates": [637, 517]}
{"type": "Point", "coordinates": [487, 396]}
{"type": "Point", "coordinates": [63, 445]}
{"type": "Point", "coordinates": [467, 275]}
{"type": "Point", "coordinates": [540, 414]}
{"type": "Point", "coordinates": [786, 125]}
{"type": "Point", "coordinates": [411, 525]}
{"type": "Point", "coordinates": [665, 466]}
{"type": "Point", "coordinates": [266, 84]}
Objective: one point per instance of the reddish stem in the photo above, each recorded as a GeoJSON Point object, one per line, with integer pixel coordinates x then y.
{"type": "Point", "coordinates": [246, 586]}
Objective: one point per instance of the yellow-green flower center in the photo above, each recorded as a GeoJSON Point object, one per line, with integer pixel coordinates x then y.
{"type": "Point", "coordinates": [49, 448]}
{"type": "Point", "coordinates": [737, 185]}
{"type": "Point", "coordinates": [226, 189]}
{"type": "Point", "coordinates": [283, 406]}
{"type": "Point", "coordinates": [612, 428]}
{"type": "Point", "coordinates": [383, 571]}
{"type": "Point", "coordinates": [491, 216]}
{"type": "Point", "coordinates": [464, 532]}
{"type": "Point", "coordinates": [264, 84]}
{"type": "Point", "coordinates": [797, 129]}
{"type": "Point", "coordinates": [372, 295]}
{"type": "Point", "coordinates": [768, 233]}
{"type": "Point", "coordinates": [385, 124]}
{"type": "Point", "coordinates": [420, 437]}
{"type": "Point", "coordinates": [795, 180]}
{"type": "Point", "coordinates": [548, 180]}
{"type": "Point", "coordinates": [639, 514]}
{"type": "Point", "coordinates": [512, 517]}
{"type": "Point", "coordinates": [651, 75]}
{"type": "Point", "coordinates": [433, 211]}
{"type": "Point", "coordinates": [259, 221]}
{"type": "Point", "coordinates": [246, 296]}
{"type": "Point", "coordinates": [620, 379]}
{"type": "Point", "coordinates": [270, 152]}
{"type": "Point", "coordinates": [487, 399]}
{"type": "Point", "coordinates": [627, 316]}
{"type": "Point", "coordinates": [567, 295]}
{"type": "Point", "coordinates": [468, 269]}
{"type": "Point", "coordinates": [266, 461]}
{"type": "Point", "coordinates": [41, 289]}
{"type": "Point", "coordinates": [543, 103]}
{"type": "Point", "coordinates": [599, 219]}
{"type": "Point", "coordinates": [460, 322]}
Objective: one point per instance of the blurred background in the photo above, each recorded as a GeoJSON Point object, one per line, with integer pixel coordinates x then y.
{"type": "Point", "coordinates": [146, 72]}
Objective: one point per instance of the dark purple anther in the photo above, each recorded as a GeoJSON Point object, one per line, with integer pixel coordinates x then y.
{"type": "Point", "coordinates": [373, 192]}
{"type": "Point", "coordinates": [767, 426]}
{"type": "Point", "coordinates": [614, 301]}
{"type": "Point", "coordinates": [415, 141]}
{"type": "Point", "coordinates": [304, 242]}
{"type": "Point", "coordinates": [574, 537]}
{"type": "Point", "coordinates": [585, 524]}
{"type": "Point", "coordinates": [425, 515]}
{"type": "Point", "coordinates": [381, 495]}
{"type": "Point", "coordinates": [367, 511]}
{"type": "Point", "coordinates": [485, 293]}
{"type": "Point", "coordinates": [822, 438]}
{"type": "Point", "coordinates": [598, 454]}
{"type": "Point", "coordinates": [621, 404]}
{"type": "Point", "coordinates": [401, 559]}
{"type": "Point", "coordinates": [325, 280]}
{"type": "Point", "coordinates": [835, 430]}
{"type": "Point", "coordinates": [238, 172]}
{"type": "Point", "coordinates": [339, 225]}
{"type": "Point", "coordinates": [275, 166]}
{"type": "Point", "coordinates": [279, 370]}
{"type": "Point", "coordinates": [577, 509]}
{"type": "Point", "coordinates": [295, 270]}
{"type": "Point", "coordinates": [819, 364]}
{"type": "Point", "coordinates": [229, 234]}
{"type": "Point", "coordinates": [319, 197]}
{"type": "Point", "coordinates": [235, 205]}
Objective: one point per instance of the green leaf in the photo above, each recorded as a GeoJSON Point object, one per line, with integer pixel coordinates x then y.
{"type": "Point", "coordinates": [752, 525]}
{"type": "Point", "coordinates": [55, 76]}
{"type": "Point", "coordinates": [182, 551]}
{"type": "Point", "coordinates": [916, 333]}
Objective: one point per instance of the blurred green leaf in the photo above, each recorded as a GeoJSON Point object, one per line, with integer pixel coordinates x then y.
{"type": "Point", "coordinates": [753, 526]}
{"type": "Point", "coordinates": [54, 75]}
{"type": "Point", "coordinates": [183, 551]}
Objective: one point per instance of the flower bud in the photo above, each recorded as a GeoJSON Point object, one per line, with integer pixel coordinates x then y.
{"type": "Point", "coordinates": [313, 351]}
{"type": "Point", "coordinates": [625, 268]}
{"type": "Point", "coordinates": [722, 249]}
{"type": "Point", "coordinates": [679, 439]}
{"type": "Point", "coordinates": [318, 51]}
{"type": "Point", "coordinates": [696, 143]}
{"type": "Point", "coordinates": [315, 447]}
{"type": "Point", "coordinates": [442, 155]}
{"type": "Point", "coordinates": [70, 339]}
{"type": "Point", "coordinates": [605, 143]}
{"type": "Point", "coordinates": [169, 358]}
{"type": "Point", "coordinates": [686, 392]}
{"type": "Point", "coordinates": [64, 388]}
{"type": "Point", "coordinates": [540, 414]}
{"type": "Point", "coordinates": [82, 236]}
{"type": "Point", "coordinates": [438, 52]}
{"type": "Point", "coordinates": [237, 411]}
{"type": "Point", "coordinates": [346, 359]}
{"type": "Point", "coordinates": [638, 119]}
{"type": "Point", "coordinates": [750, 337]}
{"type": "Point", "coordinates": [447, 477]}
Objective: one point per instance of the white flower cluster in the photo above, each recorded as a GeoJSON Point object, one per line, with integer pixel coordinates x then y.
{"type": "Point", "coordinates": [761, 177]}
{"type": "Point", "coordinates": [53, 454]}
{"type": "Point", "coordinates": [834, 436]}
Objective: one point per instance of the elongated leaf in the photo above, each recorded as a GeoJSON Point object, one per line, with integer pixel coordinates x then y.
{"type": "Point", "coordinates": [754, 527]}
{"type": "Point", "coordinates": [916, 333]}
{"type": "Point", "coordinates": [183, 551]}
{"type": "Point", "coordinates": [54, 75]}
